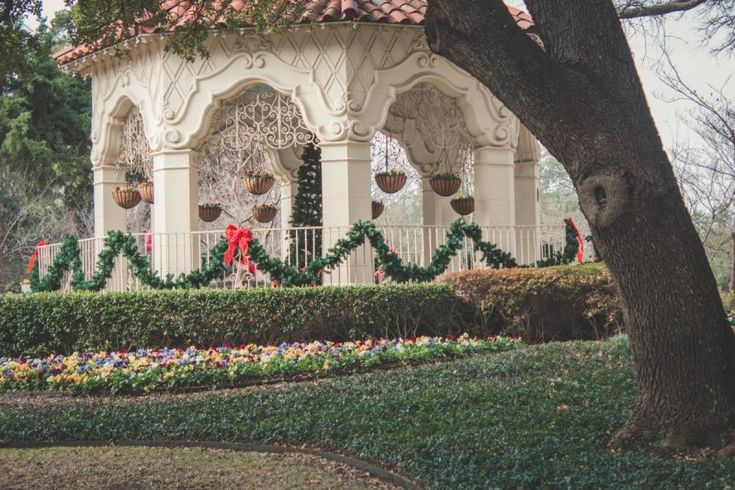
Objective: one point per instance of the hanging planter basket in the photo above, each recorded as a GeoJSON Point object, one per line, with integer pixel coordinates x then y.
{"type": "Point", "coordinates": [126, 197]}
{"type": "Point", "coordinates": [258, 183]}
{"type": "Point", "coordinates": [146, 191]}
{"type": "Point", "coordinates": [264, 213]}
{"type": "Point", "coordinates": [209, 212]}
{"type": "Point", "coordinates": [445, 184]}
{"type": "Point", "coordinates": [378, 208]}
{"type": "Point", "coordinates": [391, 182]}
{"type": "Point", "coordinates": [463, 205]}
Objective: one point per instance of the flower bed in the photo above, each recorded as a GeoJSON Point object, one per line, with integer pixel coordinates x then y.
{"type": "Point", "coordinates": [147, 370]}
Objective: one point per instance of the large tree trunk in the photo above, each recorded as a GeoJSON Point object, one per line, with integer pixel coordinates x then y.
{"type": "Point", "coordinates": [581, 96]}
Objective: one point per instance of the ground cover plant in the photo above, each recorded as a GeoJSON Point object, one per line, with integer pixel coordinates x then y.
{"type": "Point", "coordinates": [146, 370]}
{"type": "Point", "coordinates": [527, 418]}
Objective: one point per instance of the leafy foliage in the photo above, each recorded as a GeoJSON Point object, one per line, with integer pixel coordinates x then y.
{"type": "Point", "coordinates": [554, 303]}
{"type": "Point", "coordinates": [45, 175]}
{"type": "Point", "coordinates": [529, 418]}
{"type": "Point", "coordinates": [571, 246]}
{"type": "Point", "coordinates": [41, 323]}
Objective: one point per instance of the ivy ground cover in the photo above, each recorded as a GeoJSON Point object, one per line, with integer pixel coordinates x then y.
{"type": "Point", "coordinates": [537, 417]}
{"type": "Point", "coordinates": [147, 370]}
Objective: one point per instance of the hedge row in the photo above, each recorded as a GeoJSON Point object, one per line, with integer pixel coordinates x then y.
{"type": "Point", "coordinates": [555, 303]}
{"type": "Point", "coordinates": [574, 302]}
{"type": "Point", "coordinates": [40, 323]}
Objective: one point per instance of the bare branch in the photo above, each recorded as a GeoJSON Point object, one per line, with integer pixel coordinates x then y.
{"type": "Point", "coordinates": [637, 9]}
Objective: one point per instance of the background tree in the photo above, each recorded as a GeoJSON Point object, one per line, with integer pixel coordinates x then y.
{"type": "Point", "coordinates": [45, 175]}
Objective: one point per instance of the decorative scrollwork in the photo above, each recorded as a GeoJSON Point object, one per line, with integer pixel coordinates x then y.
{"type": "Point", "coordinates": [262, 117]}
{"type": "Point", "coordinates": [135, 153]}
{"type": "Point", "coordinates": [425, 115]}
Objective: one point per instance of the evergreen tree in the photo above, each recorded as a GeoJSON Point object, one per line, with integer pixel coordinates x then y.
{"type": "Point", "coordinates": [307, 208]}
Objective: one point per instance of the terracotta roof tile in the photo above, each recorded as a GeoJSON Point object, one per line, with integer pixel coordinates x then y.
{"type": "Point", "coordinates": [406, 12]}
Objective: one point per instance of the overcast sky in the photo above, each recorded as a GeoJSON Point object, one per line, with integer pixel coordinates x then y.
{"type": "Point", "coordinates": [695, 64]}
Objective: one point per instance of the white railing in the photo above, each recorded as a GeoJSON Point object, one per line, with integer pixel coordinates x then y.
{"type": "Point", "coordinates": [178, 253]}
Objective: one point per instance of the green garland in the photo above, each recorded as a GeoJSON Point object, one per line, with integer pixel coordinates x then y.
{"type": "Point", "coordinates": [291, 275]}
{"type": "Point", "coordinates": [118, 243]}
{"type": "Point", "coordinates": [569, 254]}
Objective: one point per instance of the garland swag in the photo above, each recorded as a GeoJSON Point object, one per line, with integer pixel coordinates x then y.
{"type": "Point", "coordinates": [285, 274]}
{"type": "Point", "coordinates": [571, 247]}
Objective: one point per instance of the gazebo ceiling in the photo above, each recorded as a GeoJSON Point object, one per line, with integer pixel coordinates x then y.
{"type": "Point", "coordinates": [399, 12]}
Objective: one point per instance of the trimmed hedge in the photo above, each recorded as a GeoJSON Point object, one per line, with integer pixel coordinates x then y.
{"type": "Point", "coordinates": [573, 302]}
{"type": "Point", "coordinates": [41, 323]}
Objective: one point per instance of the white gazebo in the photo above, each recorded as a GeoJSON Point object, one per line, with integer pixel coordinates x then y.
{"type": "Point", "coordinates": [338, 78]}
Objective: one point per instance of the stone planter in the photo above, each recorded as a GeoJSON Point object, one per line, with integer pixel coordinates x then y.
{"type": "Point", "coordinates": [209, 213]}
{"type": "Point", "coordinates": [264, 213]}
{"type": "Point", "coordinates": [463, 205]}
{"type": "Point", "coordinates": [126, 197]}
{"type": "Point", "coordinates": [391, 183]}
{"type": "Point", "coordinates": [445, 185]}
{"type": "Point", "coordinates": [259, 185]}
{"type": "Point", "coordinates": [146, 191]}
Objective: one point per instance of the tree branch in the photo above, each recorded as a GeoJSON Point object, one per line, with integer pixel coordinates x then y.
{"type": "Point", "coordinates": [635, 9]}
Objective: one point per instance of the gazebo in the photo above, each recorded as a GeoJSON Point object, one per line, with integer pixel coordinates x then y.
{"type": "Point", "coordinates": [347, 71]}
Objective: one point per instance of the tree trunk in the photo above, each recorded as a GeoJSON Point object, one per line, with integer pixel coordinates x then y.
{"type": "Point", "coordinates": [581, 96]}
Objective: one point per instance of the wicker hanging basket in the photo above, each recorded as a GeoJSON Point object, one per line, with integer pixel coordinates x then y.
{"type": "Point", "coordinates": [390, 183]}
{"type": "Point", "coordinates": [264, 213]}
{"type": "Point", "coordinates": [209, 212]}
{"type": "Point", "coordinates": [126, 197]}
{"type": "Point", "coordinates": [445, 185]}
{"type": "Point", "coordinates": [146, 191]}
{"type": "Point", "coordinates": [259, 184]}
{"type": "Point", "coordinates": [463, 205]}
{"type": "Point", "coordinates": [378, 208]}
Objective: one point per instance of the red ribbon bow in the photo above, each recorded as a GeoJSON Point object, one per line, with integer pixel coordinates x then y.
{"type": "Point", "coordinates": [238, 239]}
{"type": "Point", "coordinates": [580, 240]}
{"type": "Point", "coordinates": [32, 262]}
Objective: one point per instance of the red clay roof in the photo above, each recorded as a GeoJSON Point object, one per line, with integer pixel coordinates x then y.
{"type": "Point", "coordinates": [406, 12]}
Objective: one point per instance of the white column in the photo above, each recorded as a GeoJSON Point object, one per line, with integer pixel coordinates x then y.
{"type": "Point", "coordinates": [175, 212]}
{"type": "Point", "coordinates": [107, 214]}
{"type": "Point", "coordinates": [345, 200]}
{"type": "Point", "coordinates": [527, 211]}
{"type": "Point", "coordinates": [495, 195]}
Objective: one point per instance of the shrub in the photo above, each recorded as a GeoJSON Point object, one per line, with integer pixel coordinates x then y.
{"type": "Point", "coordinates": [554, 303]}
{"type": "Point", "coordinates": [40, 323]}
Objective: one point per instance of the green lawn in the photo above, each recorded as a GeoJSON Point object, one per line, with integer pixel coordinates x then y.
{"type": "Point", "coordinates": [536, 417]}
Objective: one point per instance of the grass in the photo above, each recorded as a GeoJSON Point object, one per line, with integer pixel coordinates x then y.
{"type": "Point", "coordinates": [145, 467]}
{"type": "Point", "coordinates": [536, 417]}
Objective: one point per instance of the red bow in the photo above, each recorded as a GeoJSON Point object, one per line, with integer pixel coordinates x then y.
{"type": "Point", "coordinates": [580, 240]}
{"type": "Point", "coordinates": [239, 238]}
{"type": "Point", "coordinates": [32, 262]}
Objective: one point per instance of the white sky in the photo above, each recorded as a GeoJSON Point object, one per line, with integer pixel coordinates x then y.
{"type": "Point", "coordinates": [695, 64]}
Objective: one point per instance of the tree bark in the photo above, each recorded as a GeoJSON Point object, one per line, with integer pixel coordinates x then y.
{"type": "Point", "coordinates": [581, 96]}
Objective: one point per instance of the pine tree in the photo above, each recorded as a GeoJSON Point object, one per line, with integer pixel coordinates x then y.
{"type": "Point", "coordinates": [307, 208]}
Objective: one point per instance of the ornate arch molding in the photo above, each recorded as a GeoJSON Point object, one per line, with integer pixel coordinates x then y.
{"type": "Point", "coordinates": [189, 126]}
{"type": "Point", "coordinates": [487, 119]}
{"type": "Point", "coordinates": [109, 120]}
